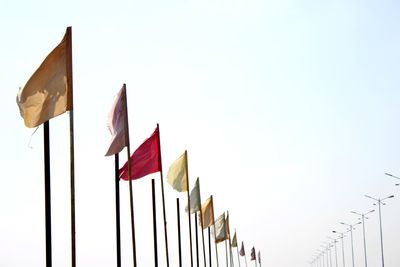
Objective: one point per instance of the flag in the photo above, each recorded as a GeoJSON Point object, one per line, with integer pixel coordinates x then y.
{"type": "Point", "coordinates": [234, 241]}
{"type": "Point", "coordinates": [48, 92]}
{"type": "Point", "coordinates": [227, 231]}
{"type": "Point", "coordinates": [194, 198]}
{"type": "Point", "coordinates": [145, 159]}
{"type": "Point", "coordinates": [220, 229]}
{"type": "Point", "coordinates": [117, 124]}
{"type": "Point", "coordinates": [259, 257]}
{"type": "Point", "coordinates": [207, 210]}
{"type": "Point", "coordinates": [177, 174]}
{"type": "Point", "coordinates": [253, 254]}
{"type": "Point", "coordinates": [241, 252]}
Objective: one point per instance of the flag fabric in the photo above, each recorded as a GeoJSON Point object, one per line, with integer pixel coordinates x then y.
{"type": "Point", "coordinates": [195, 201]}
{"type": "Point", "coordinates": [117, 124]}
{"type": "Point", "coordinates": [241, 252]}
{"type": "Point", "coordinates": [48, 92]}
{"type": "Point", "coordinates": [145, 160]}
{"type": "Point", "coordinates": [177, 174]}
{"type": "Point", "coordinates": [234, 241]}
{"type": "Point", "coordinates": [253, 254]}
{"type": "Point", "coordinates": [259, 257]}
{"type": "Point", "coordinates": [227, 231]}
{"type": "Point", "coordinates": [207, 210]}
{"type": "Point", "coordinates": [220, 229]}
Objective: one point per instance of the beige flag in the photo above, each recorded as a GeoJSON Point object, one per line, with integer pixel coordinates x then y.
{"type": "Point", "coordinates": [177, 174]}
{"type": "Point", "coordinates": [48, 93]}
{"type": "Point", "coordinates": [207, 211]}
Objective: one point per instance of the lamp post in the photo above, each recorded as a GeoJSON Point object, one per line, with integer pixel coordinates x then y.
{"type": "Point", "coordinates": [379, 201]}
{"type": "Point", "coordinates": [334, 241]}
{"type": "Point", "coordinates": [341, 237]}
{"type": "Point", "coordinates": [363, 224]}
{"type": "Point", "coordinates": [351, 227]}
{"type": "Point", "coordinates": [391, 175]}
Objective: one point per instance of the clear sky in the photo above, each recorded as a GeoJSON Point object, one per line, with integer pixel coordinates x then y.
{"type": "Point", "coordinates": [288, 110]}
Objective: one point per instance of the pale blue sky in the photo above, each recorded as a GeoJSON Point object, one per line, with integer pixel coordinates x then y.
{"type": "Point", "coordinates": [288, 110]}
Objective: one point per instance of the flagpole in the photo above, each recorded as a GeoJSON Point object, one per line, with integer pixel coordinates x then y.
{"type": "Point", "coordinates": [197, 238]}
{"type": "Point", "coordinates": [215, 237]}
{"type": "Point", "coordinates": [245, 259]}
{"type": "Point", "coordinates": [179, 232]}
{"type": "Point", "coordinates": [226, 252]}
{"type": "Point", "coordinates": [163, 199]}
{"type": "Point", "coordinates": [72, 146]}
{"type": "Point", "coordinates": [230, 241]}
{"type": "Point", "coordinates": [129, 177]}
{"type": "Point", "coordinates": [237, 250]}
{"type": "Point", "coordinates": [154, 223]}
{"type": "Point", "coordinates": [202, 230]}
{"type": "Point", "coordinates": [117, 210]}
{"type": "Point", "coordinates": [188, 197]}
{"type": "Point", "coordinates": [47, 191]}
{"type": "Point", "coordinates": [209, 243]}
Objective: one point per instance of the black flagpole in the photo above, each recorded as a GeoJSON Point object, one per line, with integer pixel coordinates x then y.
{"type": "Point", "coordinates": [209, 243]}
{"type": "Point", "coordinates": [197, 239]}
{"type": "Point", "coordinates": [47, 196]}
{"type": "Point", "coordinates": [117, 210]}
{"type": "Point", "coordinates": [179, 232]}
{"type": "Point", "coordinates": [154, 223]}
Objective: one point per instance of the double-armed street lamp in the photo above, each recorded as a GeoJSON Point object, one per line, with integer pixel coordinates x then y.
{"type": "Point", "coordinates": [363, 217]}
{"type": "Point", "coordinates": [351, 227]}
{"type": "Point", "coordinates": [341, 236]}
{"type": "Point", "coordinates": [379, 201]}
{"type": "Point", "coordinates": [391, 175]}
{"type": "Point", "coordinates": [334, 241]}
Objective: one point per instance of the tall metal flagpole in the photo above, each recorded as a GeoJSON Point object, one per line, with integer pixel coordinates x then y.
{"type": "Point", "coordinates": [72, 147]}
{"type": "Point", "coordinates": [163, 199]}
{"type": "Point", "coordinates": [117, 210]}
{"type": "Point", "coordinates": [202, 230]}
{"type": "Point", "coordinates": [209, 244]}
{"type": "Point", "coordinates": [197, 238]}
{"type": "Point", "coordinates": [188, 197]}
{"type": "Point", "coordinates": [215, 237]}
{"type": "Point", "coordinates": [47, 191]}
{"type": "Point", "coordinates": [153, 193]}
{"type": "Point", "coordinates": [179, 232]}
{"type": "Point", "coordinates": [129, 177]}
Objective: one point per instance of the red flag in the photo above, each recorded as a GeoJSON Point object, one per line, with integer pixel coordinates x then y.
{"type": "Point", "coordinates": [253, 254]}
{"type": "Point", "coordinates": [145, 160]}
{"type": "Point", "coordinates": [241, 252]}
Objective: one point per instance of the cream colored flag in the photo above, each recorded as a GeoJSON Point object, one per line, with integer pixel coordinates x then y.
{"type": "Point", "coordinates": [207, 210]}
{"type": "Point", "coordinates": [177, 174]}
{"type": "Point", "coordinates": [195, 201]}
{"type": "Point", "coordinates": [48, 92]}
{"type": "Point", "coordinates": [220, 229]}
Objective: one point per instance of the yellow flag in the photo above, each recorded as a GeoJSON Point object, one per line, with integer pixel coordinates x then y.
{"type": "Point", "coordinates": [48, 92]}
{"type": "Point", "coordinates": [177, 174]}
{"type": "Point", "coordinates": [207, 211]}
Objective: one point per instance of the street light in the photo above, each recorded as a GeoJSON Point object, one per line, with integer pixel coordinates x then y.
{"type": "Point", "coordinates": [365, 245]}
{"type": "Point", "coordinates": [391, 175]}
{"type": "Point", "coordinates": [351, 227]}
{"type": "Point", "coordinates": [341, 237]}
{"type": "Point", "coordinates": [334, 241]}
{"type": "Point", "coordinates": [379, 201]}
